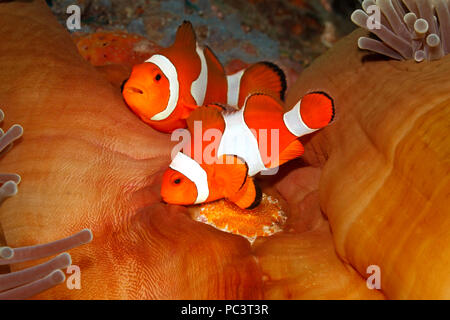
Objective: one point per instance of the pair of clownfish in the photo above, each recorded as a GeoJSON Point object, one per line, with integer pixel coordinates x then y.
{"type": "Point", "coordinates": [185, 83]}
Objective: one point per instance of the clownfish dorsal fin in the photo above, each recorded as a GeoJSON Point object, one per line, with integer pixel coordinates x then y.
{"type": "Point", "coordinates": [249, 196]}
{"type": "Point", "coordinates": [232, 173]}
{"type": "Point", "coordinates": [210, 117]}
{"type": "Point", "coordinates": [209, 55]}
{"type": "Point", "coordinates": [185, 37]}
{"type": "Point", "coordinates": [293, 150]}
{"type": "Point", "coordinates": [264, 77]}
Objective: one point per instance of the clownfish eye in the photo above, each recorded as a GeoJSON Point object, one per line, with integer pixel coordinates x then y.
{"type": "Point", "coordinates": [177, 181]}
{"type": "Point", "coordinates": [158, 77]}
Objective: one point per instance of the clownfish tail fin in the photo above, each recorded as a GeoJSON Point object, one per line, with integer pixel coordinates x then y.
{"type": "Point", "coordinates": [185, 36]}
{"type": "Point", "coordinates": [313, 112]}
{"type": "Point", "coordinates": [317, 109]}
{"type": "Point", "coordinates": [264, 77]}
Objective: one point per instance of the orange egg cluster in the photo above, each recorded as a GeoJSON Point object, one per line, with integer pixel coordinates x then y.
{"type": "Point", "coordinates": [114, 47]}
{"type": "Point", "coordinates": [263, 221]}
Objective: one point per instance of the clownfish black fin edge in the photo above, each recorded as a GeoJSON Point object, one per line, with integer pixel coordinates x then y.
{"type": "Point", "coordinates": [282, 76]}
{"type": "Point", "coordinates": [262, 77]}
{"type": "Point", "coordinates": [258, 197]}
{"type": "Point", "coordinates": [333, 115]}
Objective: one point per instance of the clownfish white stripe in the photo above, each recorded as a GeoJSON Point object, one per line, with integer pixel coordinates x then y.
{"type": "Point", "coordinates": [171, 74]}
{"type": "Point", "coordinates": [234, 84]}
{"type": "Point", "coordinates": [194, 172]}
{"type": "Point", "coordinates": [239, 140]}
{"type": "Point", "coordinates": [294, 122]}
{"type": "Point", "coordinates": [198, 87]}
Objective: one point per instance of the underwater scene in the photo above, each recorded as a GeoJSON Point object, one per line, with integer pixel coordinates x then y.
{"type": "Point", "coordinates": [225, 150]}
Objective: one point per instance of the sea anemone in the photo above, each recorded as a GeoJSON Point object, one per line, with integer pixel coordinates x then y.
{"type": "Point", "coordinates": [31, 281]}
{"type": "Point", "coordinates": [408, 29]}
{"type": "Point", "coordinates": [385, 166]}
{"type": "Point", "coordinates": [9, 181]}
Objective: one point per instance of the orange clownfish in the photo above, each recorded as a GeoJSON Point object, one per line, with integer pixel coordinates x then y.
{"type": "Point", "coordinates": [166, 88]}
{"type": "Point", "coordinates": [242, 148]}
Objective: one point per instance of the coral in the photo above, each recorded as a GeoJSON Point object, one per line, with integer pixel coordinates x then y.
{"type": "Point", "coordinates": [119, 47]}
{"type": "Point", "coordinates": [114, 53]}
{"type": "Point", "coordinates": [408, 29]}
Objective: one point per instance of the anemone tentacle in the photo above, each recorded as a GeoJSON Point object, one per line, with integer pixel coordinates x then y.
{"type": "Point", "coordinates": [31, 281]}
{"type": "Point", "coordinates": [9, 181]}
{"type": "Point", "coordinates": [28, 282]}
{"type": "Point", "coordinates": [407, 29]}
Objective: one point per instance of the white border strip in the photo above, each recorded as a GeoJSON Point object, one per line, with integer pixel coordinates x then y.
{"type": "Point", "coordinates": [239, 140]}
{"type": "Point", "coordinates": [294, 122]}
{"type": "Point", "coordinates": [234, 85]}
{"type": "Point", "coordinates": [170, 72]}
{"type": "Point", "coordinates": [198, 87]}
{"type": "Point", "coordinates": [194, 172]}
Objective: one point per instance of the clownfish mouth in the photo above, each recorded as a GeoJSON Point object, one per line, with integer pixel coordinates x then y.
{"type": "Point", "coordinates": [134, 90]}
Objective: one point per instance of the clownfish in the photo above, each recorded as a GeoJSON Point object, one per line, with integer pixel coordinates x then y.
{"type": "Point", "coordinates": [167, 87]}
{"type": "Point", "coordinates": [242, 148]}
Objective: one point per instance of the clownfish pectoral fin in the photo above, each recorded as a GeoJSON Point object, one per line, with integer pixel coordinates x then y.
{"type": "Point", "coordinates": [209, 116]}
{"type": "Point", "coordinates": [249, 196]}
{"type": "Point", "coordinates": [264, 77]}
{"type": "Point", "coordinates": [317, 110]}
{"type": "Point", "coordinates": [185, 37]}
{"type": "Point", "coordinates": [294, 150]}
{"type": "Point", "coordinates": [232, 173]}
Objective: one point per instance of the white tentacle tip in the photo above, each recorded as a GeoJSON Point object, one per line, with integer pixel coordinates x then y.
{"type": "Point", "coordinates": [9, 189]}
{"type": "Point", "coordinates": [57, 277]}
{"type": "Point", "coordinates": [17, 129]}
{"type": "Point", "coordinates": [66, 259]}
{"type": "Point", "coordinates": [87, 235]}
{"type": "Point", "coordinates": [6, 253]}
{"type": "Point", "coordinates": [419, 55]}
{"type": "Point", "coordinates": [433, 40]}
{"type": "Point", "coordinates": [421, 26]}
